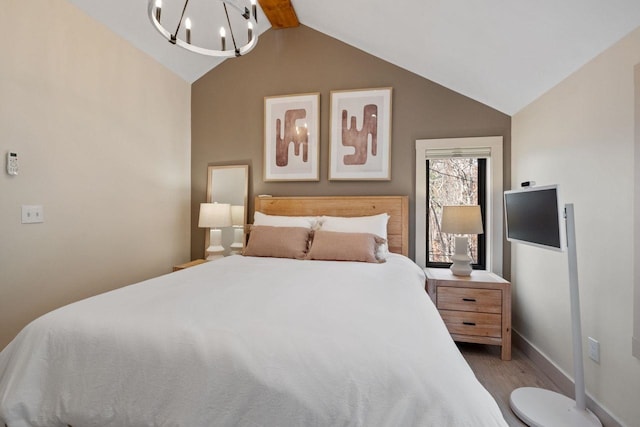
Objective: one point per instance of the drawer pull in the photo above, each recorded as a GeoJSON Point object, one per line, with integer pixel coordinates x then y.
{"type": "Point", "coordinates": [469, 323]}
{"type": "Point", "coordinates": [469, 299]}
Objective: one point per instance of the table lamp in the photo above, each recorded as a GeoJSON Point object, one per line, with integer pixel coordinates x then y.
{"type": "Point", "coordinates": [237, 219]}
{"type": "Point", "coordinates": [461, 220]}
{"type": "Point", "coordinates": [214, 216]}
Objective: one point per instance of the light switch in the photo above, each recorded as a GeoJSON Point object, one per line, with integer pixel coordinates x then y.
{"type": "Point", "coordinates": [32, 214]}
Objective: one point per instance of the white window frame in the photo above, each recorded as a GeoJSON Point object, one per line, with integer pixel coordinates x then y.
{"type": "Point", "coordinates": [635, 338]}
{"type": "Point", "coordinates": [494, 211]}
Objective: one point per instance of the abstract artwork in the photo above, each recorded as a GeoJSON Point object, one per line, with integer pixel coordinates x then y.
{"type": "Point", "coordinates": [291, 137]}
{"type": "Point", "coordinates": [360, 147]}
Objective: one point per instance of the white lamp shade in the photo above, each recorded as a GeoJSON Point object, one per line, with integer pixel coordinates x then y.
{"type": "Point", "coordinates": [214, 215]}
{"type": "Point", "coordinates": [237, 215]}
{"type": "Point", "coordinates": [461, 220]}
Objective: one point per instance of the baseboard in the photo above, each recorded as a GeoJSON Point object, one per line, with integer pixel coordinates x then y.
{"type": "Point", "coordinates": [561, 379]}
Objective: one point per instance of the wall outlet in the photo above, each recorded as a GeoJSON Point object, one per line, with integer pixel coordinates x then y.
{"type": "Point", "coordinates": [594, 350]}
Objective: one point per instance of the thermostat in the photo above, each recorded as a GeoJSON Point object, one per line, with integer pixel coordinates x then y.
{"type": "Point", "coordinates": [12, 163]}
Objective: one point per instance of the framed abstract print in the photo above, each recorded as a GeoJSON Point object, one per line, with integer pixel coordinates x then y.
{"type": "Point", "coordinates": [360, 143]}
{"type": "Point", "coordinates": [292, 137]}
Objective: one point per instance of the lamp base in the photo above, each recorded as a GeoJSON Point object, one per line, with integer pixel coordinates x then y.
{"type": "Point", "coordinates": [538, 407]}
{"type": "Point", "coordinates": [461, 260]}
{"type": "Point", "coordinates": [238, 238]}
{"type": "Point", "coordinates": [461, 267]}
{"type": "Point", "coordinates": [214, 252]}
{"type": "Point", "coordinates": [215, 249]}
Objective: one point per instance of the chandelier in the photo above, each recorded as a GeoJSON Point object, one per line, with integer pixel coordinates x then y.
{"type": "Point", "coordinates": [195, 25]}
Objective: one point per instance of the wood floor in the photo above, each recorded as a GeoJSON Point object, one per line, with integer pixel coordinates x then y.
{"type": "Point", "coordinates": [500, 378]}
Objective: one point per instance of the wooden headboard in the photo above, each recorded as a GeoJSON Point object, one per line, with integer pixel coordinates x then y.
{"type": "Point", "coordinates": [396, 206]}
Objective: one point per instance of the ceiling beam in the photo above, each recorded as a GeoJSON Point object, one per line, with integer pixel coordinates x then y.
{"type": "Point", "coordinates": [280, 13]}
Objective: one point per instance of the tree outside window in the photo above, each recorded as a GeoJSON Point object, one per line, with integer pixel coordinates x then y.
{"type": "Point", "coordinates": [454, 181]}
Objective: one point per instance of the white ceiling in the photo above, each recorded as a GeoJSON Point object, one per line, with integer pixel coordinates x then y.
{"type": "Point", "coordinates": [503, 53]}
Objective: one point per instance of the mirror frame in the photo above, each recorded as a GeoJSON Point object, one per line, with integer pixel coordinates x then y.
{"type": "Point", "coordinates": [210, 170]}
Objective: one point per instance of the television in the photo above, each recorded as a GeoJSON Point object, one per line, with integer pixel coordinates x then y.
{"type": "Point", "coordinates": [532, 216]}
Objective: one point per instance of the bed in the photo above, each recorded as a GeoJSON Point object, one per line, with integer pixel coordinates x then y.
{"type": "Point", "coordinates": [252, 341]}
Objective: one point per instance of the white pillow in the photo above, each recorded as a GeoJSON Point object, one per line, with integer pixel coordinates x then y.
{"type": "Point", "coordinates": [374, 224]}
{"type": "Point", "coordinates": [284, 221]}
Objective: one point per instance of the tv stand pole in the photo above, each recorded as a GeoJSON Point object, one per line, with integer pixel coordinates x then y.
{"type": "Point", "coordinates": [545, 408]}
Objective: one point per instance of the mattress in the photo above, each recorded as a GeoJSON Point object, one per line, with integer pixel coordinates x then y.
{"type": "Point", "coordinates": [246, 341]}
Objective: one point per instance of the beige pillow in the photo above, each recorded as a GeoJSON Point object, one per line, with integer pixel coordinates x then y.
{"type": "Point", "coordinates": [277, 242]}
{"type": "Point", "coordinates": [284, 221]}
{"type": "Point", "coordinates": [338, 246]}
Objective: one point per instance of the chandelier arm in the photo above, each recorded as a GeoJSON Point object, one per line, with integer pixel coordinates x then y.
{"type": "Point", "coordinates": [184, 8]}
{"type": "Point", "coordinates": [233, 39]}
{"type": "Point", "coordinates": [154, 10]}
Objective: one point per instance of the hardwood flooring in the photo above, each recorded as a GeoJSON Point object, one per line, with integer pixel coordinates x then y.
{"type": "Point", "coordinates": [500, 377]}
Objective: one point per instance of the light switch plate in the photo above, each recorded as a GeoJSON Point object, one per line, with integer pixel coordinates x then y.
{"type": "Point", "coordinates": [594, 350]}
{"type": "Point", "coordinates": [32, 214]}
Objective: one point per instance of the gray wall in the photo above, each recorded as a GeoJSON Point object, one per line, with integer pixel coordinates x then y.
{"type": "Point", "coordinates": [228, 110]}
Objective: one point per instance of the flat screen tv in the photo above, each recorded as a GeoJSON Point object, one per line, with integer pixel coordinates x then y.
{"type": "Point", "coordinates": [532, 216]}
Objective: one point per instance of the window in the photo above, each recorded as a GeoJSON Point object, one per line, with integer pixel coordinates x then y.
{"type": "Point", "coordinates": [461, 171]}
{"type": "Point", "coordinates": [454, 181]}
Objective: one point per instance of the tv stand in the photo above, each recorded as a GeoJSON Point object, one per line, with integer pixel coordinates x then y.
{"type": "Point", "coordinates": [545, 408]}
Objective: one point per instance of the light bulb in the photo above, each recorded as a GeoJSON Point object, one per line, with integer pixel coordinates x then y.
{"type": "Point", "coordinates": [223, 41]}
{"type": "Point", "coordinates": [158, 9]}
{"type": "Point", "coordinates": [254, 10]}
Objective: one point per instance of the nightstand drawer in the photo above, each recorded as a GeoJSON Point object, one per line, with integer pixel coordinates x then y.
{"type": "Point", "coordinates": [470, 323]}
{"type": "Point", "coordinates": [469, 299]}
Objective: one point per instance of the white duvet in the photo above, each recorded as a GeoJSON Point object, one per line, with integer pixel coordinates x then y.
{"type": "Point", "coordinates": [247, 342]}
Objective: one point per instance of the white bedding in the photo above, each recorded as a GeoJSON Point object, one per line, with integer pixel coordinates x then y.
{"type": "Point", "coordinates": [247, 342]}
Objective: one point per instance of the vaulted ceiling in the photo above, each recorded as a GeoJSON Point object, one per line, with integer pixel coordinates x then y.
{"type": "Point", "coordinates": [503, 53]}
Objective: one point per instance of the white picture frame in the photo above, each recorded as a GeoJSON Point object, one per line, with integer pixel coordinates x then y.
{"type": "Point", "coordinates": [292, 137]}
{"type": "Point", "coordinates": [360, 139]}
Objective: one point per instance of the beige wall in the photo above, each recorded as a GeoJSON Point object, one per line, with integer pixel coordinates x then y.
{"type": "Point", "coordinates": [227, 114]}
{"type": "Point", "coordinates": [102, 132]}
{"type": "Point", "coordinates": [580, 135]}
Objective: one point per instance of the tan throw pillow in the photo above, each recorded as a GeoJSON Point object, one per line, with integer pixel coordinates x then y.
{"type": "Point", "coordinates": [277, 242]}
{"type": "Point", "coordinates": [374, 224]}
{"type": "Point", "coordinates": [338, 246]}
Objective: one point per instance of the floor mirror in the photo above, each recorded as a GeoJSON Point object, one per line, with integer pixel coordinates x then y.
{"type": "Point", "coordinates": [228, 185]}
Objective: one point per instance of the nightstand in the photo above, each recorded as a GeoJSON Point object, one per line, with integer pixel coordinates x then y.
{"type": "Point", "coordinates": [189, 264]}
{"type": "Point", "coordinates": [475, 308]}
